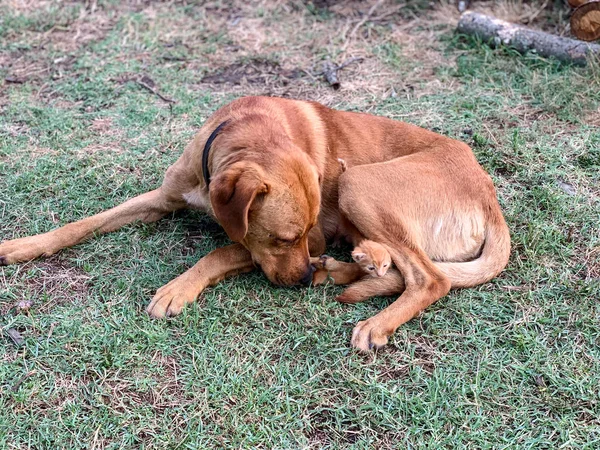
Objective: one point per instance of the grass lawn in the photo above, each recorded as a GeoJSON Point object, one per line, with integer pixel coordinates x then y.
{"type": "Point", "coordinates": [511, 364]}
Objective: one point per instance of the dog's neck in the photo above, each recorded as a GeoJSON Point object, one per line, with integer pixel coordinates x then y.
{"type": "Point", "coordinates": [206, 152]}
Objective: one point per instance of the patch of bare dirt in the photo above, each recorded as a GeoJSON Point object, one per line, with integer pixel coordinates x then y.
{"type": "Point", "coordinates": [121, 394]}
{"type": "Point", "coordinates": [426, 356]}
{"type": "Point", "coordinates": [102, 124]}
{"type": "Point", "coordinates": [27, 6]}
{"type": "Point", "coordinates": [54, 281]}
{"type": "Point", "coordinates": [66, 34]}
{"type": "Point", "coordinates": [22, 67]}
{"type": "Point", "coordinates": [255, 71]}
{"type": "Point", "coordinates": [83, 31]}
{"type": "Point", "coordinates": [593, 118]}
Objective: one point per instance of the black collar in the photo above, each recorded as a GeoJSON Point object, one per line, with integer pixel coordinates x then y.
{"type": "Point", "coordinates": [206, 151]}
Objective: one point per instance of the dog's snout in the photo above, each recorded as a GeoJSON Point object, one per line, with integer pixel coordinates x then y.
{"type": "Point", "coordinates": [307, 277]}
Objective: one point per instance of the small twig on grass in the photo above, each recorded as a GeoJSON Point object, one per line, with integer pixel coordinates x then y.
{"type": "Point", "coordinates": [146, 82]}
{"type": "Point", "coordinates": [364, 19]}
{"type": "Point", "coordinates": [330, 74]}
{"type": "Point", "coordinates": [330, 70]}
{"type": "Point", "coordinates": [20, 381]}
{"type": "Point", "coordinates": [14, 80]}
{"type": "Point", "coordinates": [537, 12]}
{"type": "Point", "coordinates": [350, 61]}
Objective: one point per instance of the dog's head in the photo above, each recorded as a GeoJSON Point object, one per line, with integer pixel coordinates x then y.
{"type": "Point", "coordinates": [270, 205]}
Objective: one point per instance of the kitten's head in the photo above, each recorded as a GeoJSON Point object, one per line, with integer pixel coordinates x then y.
{"type": "Point", "coordinates": [372, 257]}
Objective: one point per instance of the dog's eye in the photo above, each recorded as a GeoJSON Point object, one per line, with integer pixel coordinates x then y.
{"type": "Point", "coordinates": [287, 242]}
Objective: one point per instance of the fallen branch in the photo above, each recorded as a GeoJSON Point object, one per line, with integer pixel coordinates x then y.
{"type": "Point", "coordinates": [330, 71]}
{"type": "Point", "coordinates": [498, 32]}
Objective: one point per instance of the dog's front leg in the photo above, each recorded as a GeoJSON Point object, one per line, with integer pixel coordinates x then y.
{"type": "Point", "coordinates": [330, 268]}
{"type": "Point", "coordinates": [316, 241]}
{"type": "Point", "coordinates": [214, 267]}
{"type": "Point", "coordinates": [148, 207]}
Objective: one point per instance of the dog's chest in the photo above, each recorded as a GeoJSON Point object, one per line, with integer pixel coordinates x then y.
{"type": "Point", "coordinates": [197, 198]}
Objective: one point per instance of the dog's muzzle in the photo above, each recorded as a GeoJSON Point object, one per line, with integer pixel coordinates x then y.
{"type": "Point", "coordinates": [308, 276]}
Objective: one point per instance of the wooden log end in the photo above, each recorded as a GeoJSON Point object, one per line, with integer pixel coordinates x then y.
{"type": "Point", "coordinates": [576, 3]}
{"type": "Point", "coordinates": [585, 21]}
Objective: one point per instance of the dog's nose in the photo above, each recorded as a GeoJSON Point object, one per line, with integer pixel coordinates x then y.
{"type": "Point", "coordinates": [307, 277]}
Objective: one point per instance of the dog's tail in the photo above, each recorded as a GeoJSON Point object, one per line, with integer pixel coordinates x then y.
{"type": "Point", "coordinates": [493, 258]}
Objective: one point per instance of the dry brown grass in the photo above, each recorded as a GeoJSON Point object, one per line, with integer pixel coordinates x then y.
{"type": "Point", "coordinates": [294, 40]}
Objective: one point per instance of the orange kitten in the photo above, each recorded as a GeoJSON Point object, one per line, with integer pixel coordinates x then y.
{"type": "Point", "coordinates": [372, 257]}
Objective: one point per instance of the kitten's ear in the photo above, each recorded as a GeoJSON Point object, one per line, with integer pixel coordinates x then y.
{"type": "Point", "coordinates": [358, 256]}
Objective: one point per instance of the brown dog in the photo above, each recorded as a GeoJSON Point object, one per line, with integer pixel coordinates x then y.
{"type": "Point", "coordinates": [267, 170]}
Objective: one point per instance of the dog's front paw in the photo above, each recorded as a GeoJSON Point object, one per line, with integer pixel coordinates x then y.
{"type": "Point", "coordinates": [170, 299]}
{"type": "Point", "coordinates": [321, 262]}
{"type": "Point", "coordinates": [24, 249]}
{"type": "Point", "coordinates": [369, 334]}
{"type": "Point", "coordinates": [325, 261]}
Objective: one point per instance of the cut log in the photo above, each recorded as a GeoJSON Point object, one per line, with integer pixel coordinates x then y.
{"type": "Point", "coordinates": [585, 21]}
{"type": "Point", "coordinates": [498, 32]}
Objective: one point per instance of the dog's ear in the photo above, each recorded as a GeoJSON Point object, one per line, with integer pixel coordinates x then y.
{"type": "Point", "coordinates": [231, 195]}
{"type": "Point", "coordinates": [358, 256]}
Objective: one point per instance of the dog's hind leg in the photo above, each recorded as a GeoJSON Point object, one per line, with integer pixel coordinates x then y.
{"type": "Point", "coordinates": [392, 283]}
{"type": "Point", "coordinates": [424, 284]}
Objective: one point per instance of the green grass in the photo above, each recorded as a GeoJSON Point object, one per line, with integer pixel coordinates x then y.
{"type": "Point", "coordinates": [511, 364]}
